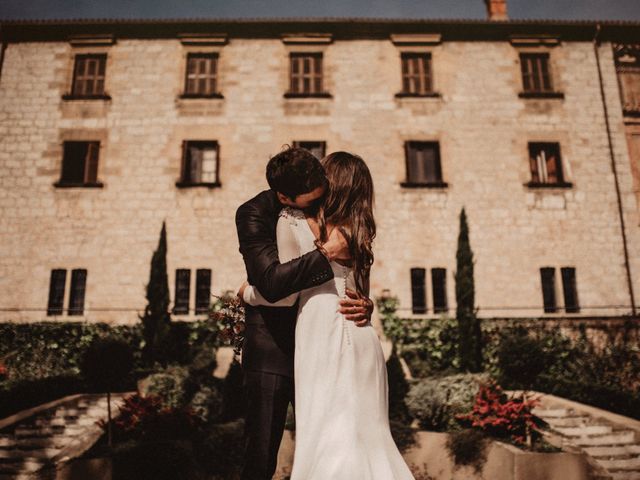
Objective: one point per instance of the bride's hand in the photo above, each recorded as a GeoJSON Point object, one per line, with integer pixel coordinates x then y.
{"type": "Point", "coordinates": [337, 246]}
{"type": "Point", "coordinates": [241, 290]}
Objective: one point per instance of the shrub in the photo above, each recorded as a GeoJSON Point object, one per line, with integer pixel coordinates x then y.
{"type": "Point", "coordinates": [434, 402]}
{"type": "Point", "coordinates": [403, 435]}
{"type": "Point", "coordinates": [156, 460]}
{"type": "Point", "coordinates": [169, 384]}
{"type": "Point", "coordinates": [502, 417]}
{"type": "Point", "coordinates": [221, 450]}
{"type": "Point", "coordinates": [521, 358]}
{"type": "Point", "coordinates": [468, 447]}
{"type": "Point", "coordinates": [398, 389]}
{"type": "Point", "coordinates": [106, 362]}
{"type": "Point", "coordinates": [207, 404]}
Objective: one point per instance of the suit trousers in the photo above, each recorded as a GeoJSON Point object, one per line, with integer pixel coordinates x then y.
{"type": "Point", "coordinates": [268, 396]}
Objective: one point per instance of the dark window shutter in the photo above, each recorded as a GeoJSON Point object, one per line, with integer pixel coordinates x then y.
{"type": "Point", "coordinates": [418, 290]}
{"type": "Point", "coordinates": [56, 291]}
{"type": "Point", "coordinates": [76, 295]}
{"type": "Point", "coordinates": [439, 287]}
{"type": "Point", "coordinates": [569, 288]}
{"type": "Point", "coordinates": [93, 150]}
{"type": "Point", "coordinates": [536, 76]}
{"type": "Point", "coordinates": [73, 162]}
{"type": "Point", "coordinates": [181, 302]}
{"type": "Point", "coordinates": [203, 290]}
{"type": "Point", "coordinates": [423, 162]}
{"type": "Point", "coordinates": [547, 277]}
{"type": "Point", "coordinates": [318, 149]}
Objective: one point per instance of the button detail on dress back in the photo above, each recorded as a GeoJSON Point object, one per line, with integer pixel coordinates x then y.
{"type": "Point", "coordinates": [345, 324]}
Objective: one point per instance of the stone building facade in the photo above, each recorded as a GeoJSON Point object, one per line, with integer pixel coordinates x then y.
{"type": "Point", "coordinates": [108, 128]}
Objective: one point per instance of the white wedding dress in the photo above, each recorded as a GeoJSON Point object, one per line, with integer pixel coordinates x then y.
{"type": "Point", "coordinates": [340, 375]}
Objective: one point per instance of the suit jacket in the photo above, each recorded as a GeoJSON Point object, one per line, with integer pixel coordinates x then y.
{"type": "Point", "coordinates": [270, 331]}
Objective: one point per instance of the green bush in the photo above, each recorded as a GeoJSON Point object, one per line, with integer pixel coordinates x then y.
{"type": "Point", "coordinates": [109, 375]}
{"type": "Point", "coordinates": [434, 402]}
{"type": "Point", "coordinates": [521, 358]}
{"type": "Point", "coordinates": [468, 447]}
{"type": "Point", "coordinates": [398, 389]}
{"type": "Point", "coordinates": [169, 384]}
{"type": "Point", "coordinates": [221, 450]}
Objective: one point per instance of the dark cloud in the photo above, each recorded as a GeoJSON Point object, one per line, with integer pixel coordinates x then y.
{"type": "Point", "coordinates": [551, 9]}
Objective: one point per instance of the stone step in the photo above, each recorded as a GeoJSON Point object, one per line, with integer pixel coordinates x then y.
{"type": "Point", "coordinates": [620, 463]}
{"type": "Point", "coordinates": [17, 453]}
{"type": "Point", "coordinates": [550, 412]}
{"type": "Point", "coordinates": [584, 430]}
{"type": "Point", "coordinates": [577, 421]}
{"type": "Point", "coordinates": [33, 443]}
{"type": "Point", "coordinates": [619, 437]}
{"type": "Point", "coordinates": [24, 431]}
{"type": "Point", "coordinates": [620, 475]}
{"type": "Point", "coordinates": [613, 451]}
{"type": "Point", "coordinates": [21, 465]}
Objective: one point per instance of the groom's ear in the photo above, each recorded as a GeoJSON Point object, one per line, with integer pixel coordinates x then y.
{"type": "Point", "coordinates": [283, 198]}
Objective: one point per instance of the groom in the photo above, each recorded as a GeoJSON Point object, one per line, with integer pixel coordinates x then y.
{"type": "Point", "coordinates": [297, 179]}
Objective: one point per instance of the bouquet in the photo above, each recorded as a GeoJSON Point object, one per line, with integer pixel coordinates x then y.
{"type": "Point", "coordinates": [227, 314]}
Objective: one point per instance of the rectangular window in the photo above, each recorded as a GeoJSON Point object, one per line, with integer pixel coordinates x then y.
{"type": "Point", "coordinates": [545, 163]}
{"type": "Point", "coordinates": [547, 278]}
{"type": "Point", "coordinates": [416, 73]}
{"type": "Point", "coordinates": [535, 72]}
{"type": "Point", "coordinates": [203, 290]}
{"type": "Point", "coordinates": [439, 287]}
{"type": "Point", "coordinates": [316, 148]}
{"type": "Point", "coordinates": [423, 163]}
{"type": "Point", "coordinates": [181, 302]}
{"type": "Point", "coordinates": [80, 163]}
{"type": "Point", "coordinates": [629, 79]}
{"type": "Point", "coordinates": [56, 291]}
{"type": "Point", "coordinates": [306, 74]}
{"type": "Point", "coordinates": [569, 289]}
{"type": "Point", "coordinates": [418, 290]}
{"type": "Point", "coordinates": [76, 295]}
{"type": "Point", "coordinates": [88, 75]}
{"type": "Point", "coordinates": [202, 75]}
{"type": "Point", "coordinates": [200, 163]}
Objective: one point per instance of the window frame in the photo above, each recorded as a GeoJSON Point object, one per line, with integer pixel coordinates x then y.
{"type": "Point", "coordinates": [91, 163]}
{"type": "Point", "coordinates": [182, 181]}
{"type": "Point", "coordinates": [416, 307]}
{"type": "Point", "coordinates": [544, 72]}
{"type": "Point", "coordinates": [215, 59]}
{"type": "Point", "coordinates": [532, 159]}
{"type": "Point", "coordinates": [292, 91]}
{"type": "Point", "coordinates": [440, 183]}
{"type": "Point", "coordinates": [426, 80]}
{"type": "Point", "coordinates": [101, 95]}
{"type": "Point", "coordinates": [301, 144]}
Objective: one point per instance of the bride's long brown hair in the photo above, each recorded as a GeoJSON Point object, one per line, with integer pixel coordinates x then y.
{"type": "Point", "coordinates": [348, 205]}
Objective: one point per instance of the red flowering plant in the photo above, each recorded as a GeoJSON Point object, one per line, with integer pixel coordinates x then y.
{"type": "Point", "coordinates": [147, 417]}
{"type": "Point", "coordinates": [499, 416]}
{"type": "Point", "coordinates": [228, 316]}
{"type": "Point", "coordinates": [4, 370]}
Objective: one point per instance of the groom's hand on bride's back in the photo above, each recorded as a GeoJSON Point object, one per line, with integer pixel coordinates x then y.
{"type": "Point", "coordinates": [357, 308]}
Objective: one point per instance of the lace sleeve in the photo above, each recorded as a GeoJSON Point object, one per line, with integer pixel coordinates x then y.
{"type": "Point", "coordinates": [288, 249]}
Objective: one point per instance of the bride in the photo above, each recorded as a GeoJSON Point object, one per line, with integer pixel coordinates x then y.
{"type": "Point", "coordinates": [340, 376]}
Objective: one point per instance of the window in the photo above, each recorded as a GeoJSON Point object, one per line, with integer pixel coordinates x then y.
{"type": "Point", "coordinates": [627, 60]}
{"type": "Point", "coordinates": [535, 72]}
{"type": "Point", "coordinates": [203, 290]}
{"type": "Point", "coordinates": [547, 278]}
{"type": "Point", "coordinates": [56, 291]}
{"type": "Point", "coordinates": [80, 164]}
{"type": "Point", "coordinates": [181, 301]}
{"type": "Point", "coordinates": [416, 73]}
{"type": "Point", "coordinates": [545, 164]}
{"type": "Point", "coordinates": [418, 291]}
{"type": "Point", "coordinates": [202, 75]}
{"type": "Point", "coordinates": [439, 287]}
{"type": "Point", "coordinates": [76, 295]}
{"type": "Point", "coordinates": [316, 148]}
{"type": "Point", "coordinates": [569, 289]}
{"type": "Point", "coordinates": [88, 76]}
{"type": "Point", "coordinates": [306, 75]}
{"type": "Point", "coordinates": [423, 164]}
{"type": "Point", "coordinates": [200, 163]}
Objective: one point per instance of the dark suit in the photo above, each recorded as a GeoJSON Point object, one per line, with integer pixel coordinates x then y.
{"type": "Point", "coordinates": [267, 356]}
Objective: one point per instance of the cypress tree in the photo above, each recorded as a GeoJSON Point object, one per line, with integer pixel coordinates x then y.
{"type": "Point", "coordinates": [470, 342]}
{"type": "Point", "coordinates": [156, 320]}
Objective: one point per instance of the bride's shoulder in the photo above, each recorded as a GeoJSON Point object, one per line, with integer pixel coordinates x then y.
{"type": "Point", "coordinates": [292, 213]}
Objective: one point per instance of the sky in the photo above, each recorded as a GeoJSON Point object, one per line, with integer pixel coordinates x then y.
{"type": "Point", "coordinates": [470, 9]}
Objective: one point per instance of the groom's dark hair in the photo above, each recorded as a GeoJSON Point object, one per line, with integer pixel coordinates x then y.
{"type": "Point", "coordinates": [295, 171]}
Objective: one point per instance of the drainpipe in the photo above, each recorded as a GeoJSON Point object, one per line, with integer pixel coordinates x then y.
{"type": "Point", "coordinates": [615, 173]}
